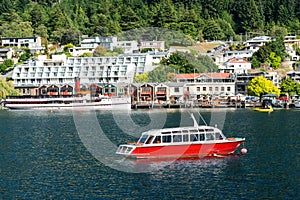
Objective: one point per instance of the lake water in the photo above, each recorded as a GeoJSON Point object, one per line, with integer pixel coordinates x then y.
{"type": "Point", "coordinates": [70, 155]}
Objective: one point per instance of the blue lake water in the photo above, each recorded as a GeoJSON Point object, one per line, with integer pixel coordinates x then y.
{"type": "Point", "coordinates": [55, 155]}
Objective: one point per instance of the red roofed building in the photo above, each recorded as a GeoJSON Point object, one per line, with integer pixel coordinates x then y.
{"type": "Point", "coordinates": [214, 84]}
{"type": "Point", "coordinates": [236, 65]}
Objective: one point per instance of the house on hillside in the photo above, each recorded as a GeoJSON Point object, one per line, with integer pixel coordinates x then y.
{"type": "Point", "coordinates": [235, 65]}
{"type": "Point", "coordinates": [34, 44]}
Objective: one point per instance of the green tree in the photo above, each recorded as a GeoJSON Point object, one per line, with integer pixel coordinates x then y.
{"type": "Point", "coordinates": [248, 15]}
{"type": "Point", "coordinates": [262, 54]}
{"type": "Point", "coordinates": [188, 63]}
{"type": "Point", "coordinates": [161, 74]}
{"type": "Point", "coordinates": [42, 31]}
{"type": "Point", "coordinates": [129, 19]}
{"type": "Point", "coordinates": [87, 54]}
{"type": "Point", "coordinates": [141, 78]}
{"type": "Point", "coordinates": [7, 89]}
{"type": "Point", "coordinates": [278, 47]}
{"type": "Point", "coordinates": [16, 29]}
{"type": "Point", "coordinates": [274, 61]}
{"type": "Point", "coordinates": [67, 47]}
{"type": "Point", "coordinates": [212, 31]}
{"type": "Point", "coordinates": [289, 86]}
{"type": "Point", "coordinates": [226, 29]}
{"type": "Point", "coordinates": [25, 55]}
{"type": "Point", "coordinates": [278, 31]}
{"type": "Point", "coordinates": [259, 86]}
{"type": "Point", "coordinates": [99, 51]}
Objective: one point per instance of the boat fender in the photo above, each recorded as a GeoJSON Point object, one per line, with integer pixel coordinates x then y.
{"type": "Point", "coordinates": [244, 150]}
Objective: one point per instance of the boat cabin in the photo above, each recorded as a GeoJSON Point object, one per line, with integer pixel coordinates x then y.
{"type": "Point", "coordinates": [181, 135]}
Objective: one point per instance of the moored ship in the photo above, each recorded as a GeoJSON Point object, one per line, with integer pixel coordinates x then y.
{"type": "Point", "coordinates": [65, 103]}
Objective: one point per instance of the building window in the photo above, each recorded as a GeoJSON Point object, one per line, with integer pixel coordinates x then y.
{"type": "Point", "coordinates": [176, 89]}
{"type": "Point", "coordinates": [228, 89]}
{"type": "Point", "coordinates": [210, 89]}
{"type": "Point", "coordinates": [216, 89]}
{"type": "Point", "coordinates": [222, 89]}
{"type": "Point", "coordinates": [198, 89]}
{"type": "Point", "coordinates": [204, 89]}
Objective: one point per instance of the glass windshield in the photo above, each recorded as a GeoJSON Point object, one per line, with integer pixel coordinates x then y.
{"type": "Point", "coordinates": [143, 139]}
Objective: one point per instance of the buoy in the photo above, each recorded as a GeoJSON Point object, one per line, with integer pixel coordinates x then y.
{"type": "Point", "coordinates": [244, 151]}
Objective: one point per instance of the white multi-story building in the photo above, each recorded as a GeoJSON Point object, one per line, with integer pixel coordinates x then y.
{"type": "Point", "coordinates": [157, 45]}
{"type": "Point", "coordinates": [226, 55]}
{"type": "Point", "coordinates": [213, 84]}
{"type": "Point", "coordinates": [128, 46]}
{"type": "Point", "coordinates": [63, 70]}
{"type": "Point", "coordinates": [34, 44]}
{"type": "Point", "coordinates": [235, 65]}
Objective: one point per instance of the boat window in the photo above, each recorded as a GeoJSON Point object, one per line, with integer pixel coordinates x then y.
{"type": "Point", "coordinates": [150, 139]}
{"type": "Point", "coordinates": [218, 136]}
{"type": "Point", "coordinates": [166, 138]}
{"type": "Point", "coordinates": [185, 131]}
{"type": "Point", "coordinates": [202, 138]}
{"type": "Point", "coordinates": [210, 136]}
{"type": "Point", "coordinates": [157, 139]}
{"type": "Point", "coordinates": [185, 138]}
{"type": "Point", "coordinates": [201, 130]}
{"type": "Point", "coordinates": [174, 132]}
{"type": "Point", "coordinates": [143, 139]}
{"type": "Point", "coordinates": [193, 131]}
{"type": "Point", "coordinates": [177, 138]}
{"type": "Point", "coordinates": [194, 137]}
{"type": "Point", "coordinates": [165, 132]}
{"type": "Point", "coordinates": [209, 130]}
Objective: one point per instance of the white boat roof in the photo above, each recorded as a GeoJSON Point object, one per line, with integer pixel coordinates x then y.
{"type": "Point", "coordinates": [170, 130]}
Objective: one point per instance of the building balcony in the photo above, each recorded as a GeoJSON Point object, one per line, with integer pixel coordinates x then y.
{"type": "Point", "coordinates": [161, 92]}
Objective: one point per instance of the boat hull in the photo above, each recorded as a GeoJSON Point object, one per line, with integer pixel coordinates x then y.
{"type": "Point", "coordinates": [182, 150]}
{"type": "Point", "coordinates": [41, 104]}
{"type": "Point", "coordinates": [266, 110]}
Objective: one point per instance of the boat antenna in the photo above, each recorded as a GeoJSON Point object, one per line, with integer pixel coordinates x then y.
{"type": "Point", "coordinates": [202, 118]}
{"type": "Point", "coordinates": [195, 122]}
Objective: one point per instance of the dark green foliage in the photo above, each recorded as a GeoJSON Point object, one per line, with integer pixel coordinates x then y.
{"type": "Point", "coordinates": [25, 55]}
{"type": "Point", "coordinates": [214, 19]}
{"type": "Point", "coordinates": [188, 63]}
{"type": "Point", "coordinates": [6, 65]}
{"type": "Point", "coordinates": [289, 86]}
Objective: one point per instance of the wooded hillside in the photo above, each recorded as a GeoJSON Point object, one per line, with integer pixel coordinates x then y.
{"type": "Point", "coordinates": [64, 21]}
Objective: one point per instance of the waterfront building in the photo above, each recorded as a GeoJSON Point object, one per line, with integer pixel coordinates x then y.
{"type": "Point", "coordinates": [243, 80]}
{"type": "Point", "coordinates": [175, 91]}
{"type": "Point", "coordinates": [62, 70]}
{"type": "Point", "coordinates": [212, 84]}
{"type": "Point", "coordinates": [146, 92]}
{"type": "Point", "coordinates": [133, 90]}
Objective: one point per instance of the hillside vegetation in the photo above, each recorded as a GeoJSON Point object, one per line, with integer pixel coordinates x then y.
{"type": "Point", "coordinates": [64, 21]}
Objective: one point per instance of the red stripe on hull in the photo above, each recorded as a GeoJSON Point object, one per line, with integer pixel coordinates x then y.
{"type": "Point", "coordinates": [188, 150]}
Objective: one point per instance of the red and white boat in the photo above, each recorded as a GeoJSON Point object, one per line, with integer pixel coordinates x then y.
{"type": "Point", "coordinates": [181, 142]}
